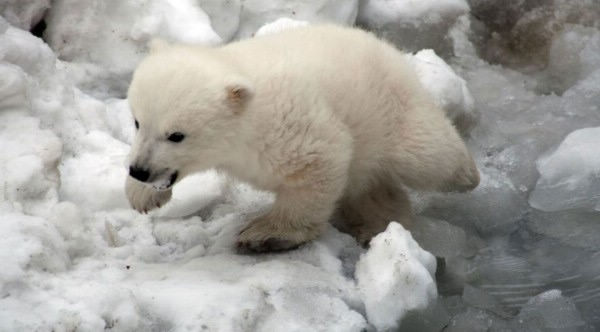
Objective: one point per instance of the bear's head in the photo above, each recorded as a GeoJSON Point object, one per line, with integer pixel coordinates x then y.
{"type": "Point", "coordinates": [188, 107]}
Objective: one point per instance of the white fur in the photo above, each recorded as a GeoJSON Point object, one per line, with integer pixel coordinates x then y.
{"type": "Point", "coordinates": [323, 116]}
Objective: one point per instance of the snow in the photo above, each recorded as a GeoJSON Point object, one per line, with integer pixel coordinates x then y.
{"type": "Point", "coordinates": [394, 277]}
{"type": "Point", "coordinates": [96, 176]}
{"type": "Point", "coordinates": [519, 79]}
{"type": "Point", "coordinates": [109, 38]}
{"type": "Point", "coordinates": [24, 14]}
{"type": "Point", "coordinates": [278, 25]}
{"type": "Point", "coordinates": [256, 13]}
{"type": "Point", "coordinates": [224, 16]}
{"type": "Point", "coordinates": [448, 90]}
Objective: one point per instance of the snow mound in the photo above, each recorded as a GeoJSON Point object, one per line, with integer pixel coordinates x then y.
{"type": "Point", "coordinates": [114, 34]}
{"type": "Point", "coordinates": [95, 177]}
{"type": "Point", "coordinates": [395, 277]}
{"type": "Point", "coordinates": [570, 176]}
{"type": "Point", "coordinates": [108, 38]}
{"type": "Point", "coordinates": [224, 16]}
{"type": "Point", "coordinates": [29, 243]}
{"type": "Point", "coordinates": [23, 14]}
{"type": "Point", "coordinates": [104, 40]}
{"type": "Point", "coordinates": [256, 13]}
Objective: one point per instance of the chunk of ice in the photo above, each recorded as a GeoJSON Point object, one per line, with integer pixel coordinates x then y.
{"type": "Point", "coordinates": [570, 176]}
{"type": "Point", "coordinates": [439, 237]}
{"type": "Point", "coordinates": [395, 276]}
{"type": "Point", "coordinates": [549, 311]}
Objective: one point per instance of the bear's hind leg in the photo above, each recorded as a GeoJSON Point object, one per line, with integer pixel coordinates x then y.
{"type": "Point", "coordinates": [367, 214]}
{"type": "Point", "coordinates": [431, 155]}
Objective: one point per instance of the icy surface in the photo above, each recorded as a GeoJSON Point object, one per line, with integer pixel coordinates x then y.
{"type": "Point", "coordinates": [439, 237]}
{"type": "Point", "coordinates": [520, 79]}
{"type": "Point", "coordinates": [413, 25]}
{"type": "Point", "coordinates": [549, 311]}
{"type": "Point", "coordinates": [395, 276]}
{"type": "Point", "coordinates": [570, 176]}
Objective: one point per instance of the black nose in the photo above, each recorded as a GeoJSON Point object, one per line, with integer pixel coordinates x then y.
{"type": "Point", "coordinates": [139, 173]}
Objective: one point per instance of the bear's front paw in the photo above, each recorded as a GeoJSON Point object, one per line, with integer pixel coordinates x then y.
{"type": "Point", "coordinates": [269, 245]}
{"type": "Point", "coordinates": [262, 235]}
{"type": "Point", "coordinates": [145, 198]}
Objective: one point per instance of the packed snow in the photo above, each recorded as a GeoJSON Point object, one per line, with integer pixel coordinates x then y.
{"type": "Point", "coordinates": [520, 80]}
{"type": "Point", "coordinates": [393, 264]}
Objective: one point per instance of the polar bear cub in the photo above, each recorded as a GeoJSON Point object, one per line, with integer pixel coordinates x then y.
{"type": "Point", "coordinates": [328, 118]}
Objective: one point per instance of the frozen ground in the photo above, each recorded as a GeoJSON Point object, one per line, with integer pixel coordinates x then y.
{"type": "Point", "coordinates": [521, 80]}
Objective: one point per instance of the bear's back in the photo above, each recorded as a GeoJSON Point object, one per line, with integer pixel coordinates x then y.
{"type": "Point", "coordinates": [352, 69]}
{"type": "Point", "coordinates": [322, 48]}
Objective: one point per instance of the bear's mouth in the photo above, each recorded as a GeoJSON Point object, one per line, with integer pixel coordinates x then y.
{"type": "Point", "coordinates": [165, 182]}
{"type": "Point", "coordinates": [172, 179]}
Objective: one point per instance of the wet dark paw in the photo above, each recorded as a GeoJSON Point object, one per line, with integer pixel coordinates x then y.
{"type": "Point", "coordinates": [268, 245]}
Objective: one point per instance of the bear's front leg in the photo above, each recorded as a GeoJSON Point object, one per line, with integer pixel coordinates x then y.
{"type": "Point", "coordinates": [368, 213]}
{"type": "Point", "coordinates": [144, 198]}
{"type": "Point", "coordinates": [302, 207]}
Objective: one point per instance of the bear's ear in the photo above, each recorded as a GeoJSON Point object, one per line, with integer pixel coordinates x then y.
{"type": "Point", "coordinates": [238, 94]}
{"type": "Point", "coordinates": [156, 45]}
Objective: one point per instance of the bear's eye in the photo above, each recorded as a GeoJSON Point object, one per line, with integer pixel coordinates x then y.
{"type": "Point", "coordinates": [176, 137]}
{"type": "Point", "coordinates": [137, 125]}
